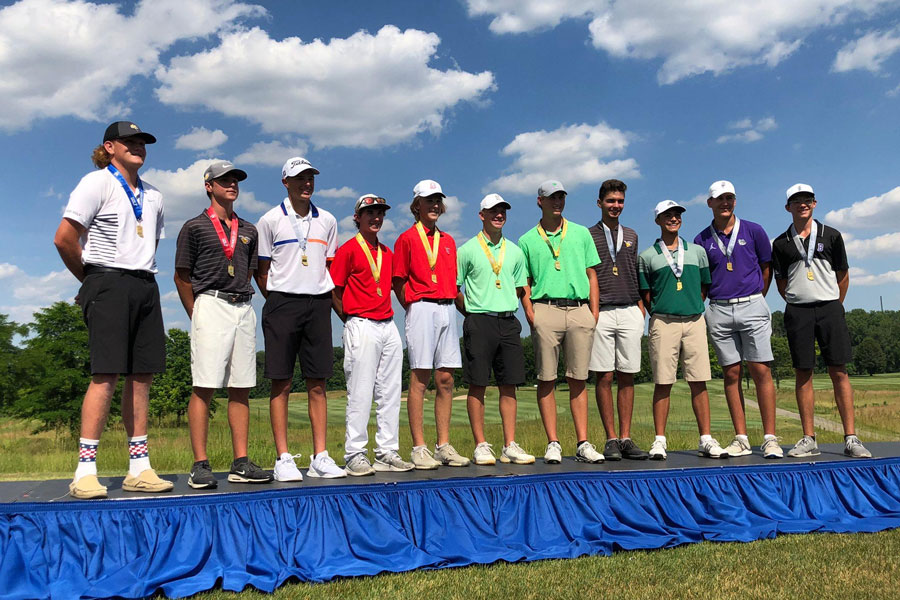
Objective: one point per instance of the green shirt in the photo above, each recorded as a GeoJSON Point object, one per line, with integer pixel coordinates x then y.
{"type": "Point", "coordinates": [577, 254]}
{"type": "Point", "coordinates": [473, 270]}
{"type": "Point", "coordinates": [654, 274]}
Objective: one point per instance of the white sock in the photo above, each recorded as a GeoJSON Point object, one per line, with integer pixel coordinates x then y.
{"type": "Point", "coordinates": [743, 438]}
{"type": "Point", "coordinates": [661, 438]}
{"type": "Point", "coordinates": [769, 436]}
{"type": "Point", "coordinates": [87, 458]}
{"type": "Point", "coordinates": [139, 455]}
{"type": "Point", "coordinates": [705, 438]}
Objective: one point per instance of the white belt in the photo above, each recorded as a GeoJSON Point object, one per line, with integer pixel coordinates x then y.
{"type": "Point", "coordinates": [736, 300]}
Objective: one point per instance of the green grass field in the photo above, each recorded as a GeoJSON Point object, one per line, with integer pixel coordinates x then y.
{"type": "Point", "coordinates": [814, 565]}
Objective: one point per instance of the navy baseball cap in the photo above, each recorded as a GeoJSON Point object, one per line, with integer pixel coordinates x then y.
{"type": "Point", "coordinates": [124, 129]}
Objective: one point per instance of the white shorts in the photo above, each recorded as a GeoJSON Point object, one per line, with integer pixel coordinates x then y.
{"type": "Point", "coordinates": [432, 337]}
{"type": "Point", "coordinates": [617, 340]}
{"type": "Point", "coordinates": [223, 343]}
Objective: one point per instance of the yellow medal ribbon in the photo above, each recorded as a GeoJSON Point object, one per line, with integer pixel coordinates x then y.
{"type": "Point", "coordinates": [496, 265]}
{"type": "Point", "coordinates": [565, 228]}
{"type": "Point", "coordinates": [430, 252]}
{"type": "Point", "coordinates": [374, 264]}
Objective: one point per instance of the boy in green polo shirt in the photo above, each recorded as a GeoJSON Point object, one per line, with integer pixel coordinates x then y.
{"type": "Point", "coordinates": [492, 271]}
{"type": "Point", "coordinates": [561, 305]}
{"type": "Point", "coordinates": [673, 276]}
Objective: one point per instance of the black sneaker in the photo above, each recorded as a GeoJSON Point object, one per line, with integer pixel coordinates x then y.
{"type": "Point", "coordinates": [202, 477]}
{"type": "Point", "coordinates": [631, 451]}
{"type": "Point", "coordinates": [243, 470]}
{"type": "Point", "coordinates": [611, 450]}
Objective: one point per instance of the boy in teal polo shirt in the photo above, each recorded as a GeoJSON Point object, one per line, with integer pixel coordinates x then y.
{"type": "Point", "coordinates": [561, 305]}
{"type": "Point", "coordinates": [673, 276]}
{"type": "Point", "coordinates": [492, 271]}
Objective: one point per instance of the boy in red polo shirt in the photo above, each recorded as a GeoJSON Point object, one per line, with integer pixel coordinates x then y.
{"type": "Point", "coordinates": [373, 353]}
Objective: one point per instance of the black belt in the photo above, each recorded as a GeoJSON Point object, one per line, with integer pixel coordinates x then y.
{"type": "Point", "coordinates": [228, 296]}
{"type": "Point", "coordinates": [437, 300]}
{"type": "Point", "coordinates": [370, 319]}
{"type": "Point", "coordinates": [91, 269]}
{"type": "Point", "coordinates": [313, 296]}
{"type": "Point", "coordinates": [562, 302]}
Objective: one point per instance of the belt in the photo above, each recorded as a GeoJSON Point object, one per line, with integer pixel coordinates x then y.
{"type": "Point", "coordinates": [371, 319]}
{"type": "Point", "coordinates": [315, 296]}
{"type": "Point", "coordinates": [500, 315]}
{"type": "Point", "coordinates": [561, 302]}
{"type": "Point", "coordinates": [227, 296]}
{"type": "Point", "coordinates": [676, 317]}
{"type": "Point", "coordinates": [91, 269]}
{"type": "Point", "coordinates": [740, 300]}
{"type": "Point", "coordinates": [436, 300]}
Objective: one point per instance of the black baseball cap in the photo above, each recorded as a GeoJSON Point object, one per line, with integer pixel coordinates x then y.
{"type": "Point", "coordinates": [124, 129]}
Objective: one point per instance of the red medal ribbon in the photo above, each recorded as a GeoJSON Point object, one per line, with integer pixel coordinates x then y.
{"type": "Point", "coordinates": [226, 246]}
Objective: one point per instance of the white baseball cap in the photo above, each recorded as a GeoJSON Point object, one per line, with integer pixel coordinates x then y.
{"type": "Point", "coordinates": [550, 187]}
{"type": "Point", "coordinates": [295, 166]}
{"type": "Point", "coordinates": [798, 188]}
{"type": "Point", "coordinates": [666, 205]}
{"type": "Point", "coordinates": [717, 188]}
{"type": "Point", "coordinates": [428, 187]}
{"type": "Point", "coordinates": [492, 200]}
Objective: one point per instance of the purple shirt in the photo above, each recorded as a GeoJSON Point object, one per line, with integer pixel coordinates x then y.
{"type": "Point", "coordinates": [751, 250]}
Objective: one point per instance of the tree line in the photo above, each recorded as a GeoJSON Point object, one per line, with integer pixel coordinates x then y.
{"type": "Point", "coordinates": [45, 365]}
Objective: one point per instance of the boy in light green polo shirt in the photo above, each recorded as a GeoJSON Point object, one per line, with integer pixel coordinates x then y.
{"type": "Point", "coordinates": [561, 305]}
{"type": "Point", "coordinates": [673, 277]}
{"type": "Point", "coordinates": [491, 269]}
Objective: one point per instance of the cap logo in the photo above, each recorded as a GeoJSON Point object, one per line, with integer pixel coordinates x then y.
{"type": "Point", "coordinates": [299, 161]}
{"type": "Point", "coordinates": [433, 185]}
{"type": "Point", "coordinates": [133, 126]}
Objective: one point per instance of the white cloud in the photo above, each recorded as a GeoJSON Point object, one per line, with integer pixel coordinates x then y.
{"type": "Point", "coordinates": [862, 278]}
{"type": "Point", "coordinates": [271, 154]}
{"type": "Point", "coordinates": [698, 200]}
{"type": "Point", "coordinates": [868, 52]}
{"type": "Point", "coordinates": [882, 245]}
{"type": "Point", "coordinates": [572, 154]}
{"type": "Point", "coordinates": [76, 58]}
{"type": "Point", "coordinates": [201, 138]}
{"type": "Point", "coordinates": [366, 90]}
{"type": "Point", "coordinates": [690, 37]}
{"type": "Point", "coordinates": [875, 213]}
{"type": "Point", "coordinates": [338, 193]}
{"type": "Point", "coordinates": [747, 130]}
{"type": "Point", "coordinates": [33, 292]}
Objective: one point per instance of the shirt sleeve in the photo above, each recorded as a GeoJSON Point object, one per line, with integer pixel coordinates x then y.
{"type": "Point", "coordinates": [332, 240]}
{"type": "Point", "coordinates": [184, 252]}
{"type": "Point", "coordinates": [161, 219]}
{"type": "Point", "coordinates": [520, 271]}
{"type": "Point", "coordinates": [264, 247]}
{"type": "Point", "coordinates": [643, 273]}
{"type": "Point", "coordinates": [254, 243]}
{"type": "Point", "coordinates": [461, 266]}
{"type": "Point", "coordinates": [84, 201]}
{"type": "Point", "coordinates": [523, 246]}
{"type": "Point", "coordinates": [401, 258]}
{"type": "Point", "coordinates": [839, 254]}
{"type": "Point", "coordinates": [591, 256]}
{"type": "Point", "coordinates": [340, 266]}
{"type": "Point", "coordinates": [703, 261]}
{"type": "Point", "coordinates": [763, 246]}
{"type": "Point", "coordinates": [779, 266]}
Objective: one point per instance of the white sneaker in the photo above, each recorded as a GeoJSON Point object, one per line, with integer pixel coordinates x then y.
{"type": "Point", "coordinates": [711, 449]}
{"type": "Point", "coordinates": [286, 469]}
{"type": "Point", "coordinates": [324, 466]}
{"type": "Point", "coordinates": [391, 461]}
{"type": "Point", "coordinates": [359, 466]}
{"type": "Point", "coordinates": [447, 455]}
{"type": "Point", "coordinates": [553, 455]}
{"type": "Point", "coordinates": [658, 450]}
{"type": "Point", "coordinates": [772, 449]}
{"type": "Point", "coordinates": [515, 455]}
{"type": "Point", "coordinates": [423, 459]}
{"type": "Point", "coordinates": [587, 452]}
{"type": "Point", "coordinates": [483, 455]}
{"type": "Point", "coordinates": [738, 447]}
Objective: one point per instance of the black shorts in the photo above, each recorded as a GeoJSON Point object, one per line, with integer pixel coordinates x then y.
{"type": "Point", "coordinates": [823, 322]}
{"type": "Point", "coordinates": [298, 326]}
{"type": "Point", "coordinates": [124, 321]}
{"type": "Point", "coordinates": [490, 341]}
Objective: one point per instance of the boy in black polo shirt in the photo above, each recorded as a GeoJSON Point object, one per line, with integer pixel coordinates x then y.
{"type": "Point", "coordinates": [811, 273]}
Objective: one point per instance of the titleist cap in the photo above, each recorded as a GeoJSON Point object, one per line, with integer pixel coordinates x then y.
{"type": "Point", "coordinates": [295, 166]}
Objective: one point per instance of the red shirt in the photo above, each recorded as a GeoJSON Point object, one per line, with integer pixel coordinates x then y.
{"type": "Point", "coordinates": [351, 271]}
{"type": "Point", "coordinates": [411, 264]}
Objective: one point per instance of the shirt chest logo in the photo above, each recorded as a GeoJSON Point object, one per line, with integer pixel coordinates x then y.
{"type": "Point", "coordinates": [820, 247]}
{"type": "Point", "coordinates": [742, 242]}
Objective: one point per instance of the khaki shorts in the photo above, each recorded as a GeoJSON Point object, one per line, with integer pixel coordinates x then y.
{"type": "Point", "coordinates": [223, 343]}
{"type": "Point", "coordinates": [672, 336]}
{"type": "Point", "coordinates": [617, 340]}
{"type": "Point", "coordinates": [573, 329]}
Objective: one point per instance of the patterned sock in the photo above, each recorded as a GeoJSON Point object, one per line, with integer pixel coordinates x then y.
{"type": "Point", "coordinates": [138, 454]}
{"type": "Point", "coordinates": [87, 458]}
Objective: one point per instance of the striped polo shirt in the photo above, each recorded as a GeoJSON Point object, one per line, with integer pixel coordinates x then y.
{"type": "Point", "coordinates": [621, 289]}
{"type": "Point", "coordinates": [654, 274]}
{"type": "Point", "coordinates": [199, 250]}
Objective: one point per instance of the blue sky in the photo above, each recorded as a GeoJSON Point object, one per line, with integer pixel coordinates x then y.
{"type": "Point", "coordinates": [481, 95]}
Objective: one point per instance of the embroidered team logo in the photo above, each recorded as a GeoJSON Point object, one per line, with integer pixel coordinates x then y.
{"type": "Point", "coordinates": [820, 247]}
{"type": "Point", "coordinates": [245, 239]}
{"type": "Point", "coordinates": [712, 245]}
{"type": "Point", "coordinates": [628, 244]}
{"type": "Point", "coordinates": [447, 251]}
{"type": "Point", "coordinates": [742, 242]}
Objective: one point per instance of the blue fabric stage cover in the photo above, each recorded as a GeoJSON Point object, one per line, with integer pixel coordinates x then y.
{"type": "Point", "coordinates": [96, 549]}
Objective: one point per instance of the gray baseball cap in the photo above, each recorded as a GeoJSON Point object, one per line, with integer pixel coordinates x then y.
{"type": "Point", "coordinates": [220, 168]}
{"type": "Point", "coordinates": [550, 187]}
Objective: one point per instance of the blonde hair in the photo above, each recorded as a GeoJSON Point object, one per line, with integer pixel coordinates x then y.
{"type": "Point", "coordinates": [100, 157]}
{"type": "Point", "coordinates": [414, 207]}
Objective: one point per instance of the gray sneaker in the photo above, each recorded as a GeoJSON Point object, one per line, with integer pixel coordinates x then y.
{"type": "Point", "coordinates": [423, 459]}
{"type": "Point", "coordinates": [853, 447]}
{"type": "Point", "coordinates": [772, 449]}
{"type": "Point", "coordinates": [807, 446]}
{"type": "Point", "coordinates": [447, 455]}
{"type": "Point", "coordinates": [587, 452]}
{"type": "Point", "coordinates": [359, 466]}
{"type": "Point", "coordinates": [553, 455]}
{"type": "Point", "coordinates": [391, 461]}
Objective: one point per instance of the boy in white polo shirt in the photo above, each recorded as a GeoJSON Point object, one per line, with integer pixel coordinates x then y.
{"type": "Point", "coordinates": [297, 241]}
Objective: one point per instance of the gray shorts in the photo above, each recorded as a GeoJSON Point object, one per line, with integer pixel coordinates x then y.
{"type": "Point", "coordinates": [741, 331]}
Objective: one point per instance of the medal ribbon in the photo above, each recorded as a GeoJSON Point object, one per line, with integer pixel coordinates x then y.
{"type": "Point", "coordinates": [734, 236]}
{"type": "Point", "coordinates": [374, 264]}
{"type": "Point", "coordinates": [227, 246]}
{"type": "Point", "coordinates": [137, 203]}
{"type": "Point", "coordinates": [811, 249]}
{"type": "Point", "coordinates": [613, 251]}
{"type": "Point", "coordinates": [678, 268]}
{"type": "Point", "coordinates": [496, 265]}
{"type": "Point", "coordinates": [302, 239]}
{"type": "Point", "coordinates": [432, 251]}
{"type": "Point", "coordinates": [543, 234]}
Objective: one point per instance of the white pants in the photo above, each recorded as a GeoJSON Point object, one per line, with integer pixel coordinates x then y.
{"type": "Point", "coordinates": [432, 336]}
{"type": "Point", "coordinates": [373, 364]}
{"type": "Point", "coordinates": [223, 343]}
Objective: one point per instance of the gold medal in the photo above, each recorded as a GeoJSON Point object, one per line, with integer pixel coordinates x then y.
{"type": "Point", "coordinates": [678, 286]}
{"type": "Point", "coordinates": [497, 283]}
{"type": "Point", "coordinates": [378, 290]}
{"type": "Point", "coordinates": [304, 261]}
{"type": "Point", "coordinates": [554, 251]}
{"type": "Point", "coordinates": [810, 276]}
{"type": "Point", "coordinates": [556, 264]}
{"type": "Point", "coordinates": [230, 270]}
{"type": "Point", "coordinates": [433, 278]}
{"type": "Point", "coordinates": [140, 230]}
{"type": "Point", "coordinates": [615, 270]}
{"type": "Point", "coordinates": [729, 266]}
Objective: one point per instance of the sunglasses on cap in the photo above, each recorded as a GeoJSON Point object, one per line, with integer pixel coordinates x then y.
{"type": "Point", "coordinates": [369, 201]}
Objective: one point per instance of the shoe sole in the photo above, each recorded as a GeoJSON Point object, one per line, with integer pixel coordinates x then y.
{"type": "Point", "coordinates": [657, 457]}
{"type": "Point", "coordinates": [456, 464]}
{"type": "Point", "coordinates": [506, 460]}
{"type": "Point", "coordinates": [428, 467]}
{"type": "Point", "coordinates": [590, 462]}
{"type": "Point", "coordinates": [288, 479]}
{"type": "Point", "coordinates": [641, 457]}
{"type": "Point", "coordinates": [742, 453]}
{"type": "Point", "coordinates": [771, 456]}
{"type": "Point", "coordinates": [860, 456]}
{"type": "Point", "coordinates": [383, 468]}
{"type": "Point", "coordinates": [552, 461]}
{"type": "Point", "coordinates": [805, 454]}
{"type": "Point", "coordinates": [203, 486]}
{"type": "Point", "coordinates": [235, 478]}
{"type": "Point", "coordinates": [131, 488]}
{"type": "Point", "coordinates": [487, 463]}
{"type": "Point", "coordinates": [707, 455]}
{"type": "Point", "coordinates": [363, 474]}
{"type": "Point", "coordinates": [612, 457]}
{"type": "Point", "coordinates": [326, 475]}
{"type": "Point", "coordinates": [87, 495]}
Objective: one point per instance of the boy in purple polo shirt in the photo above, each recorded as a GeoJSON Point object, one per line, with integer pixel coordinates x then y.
{"type": "Point", "coordinates": [738, 318]}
